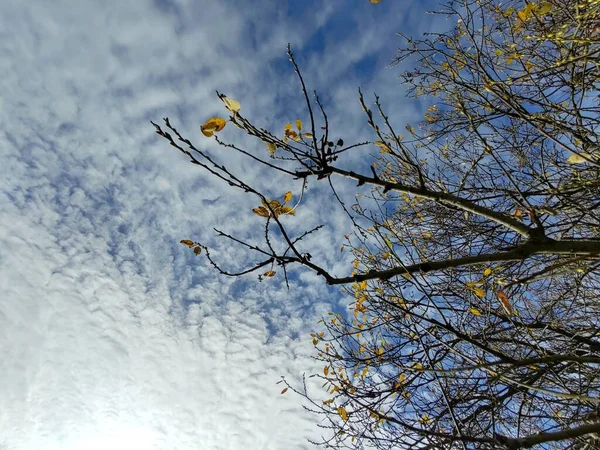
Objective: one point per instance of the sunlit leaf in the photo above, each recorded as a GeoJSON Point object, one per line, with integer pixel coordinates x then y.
{"type": "Point", "coordinates": [213, 125]}
{"type": "Point", "coordinates": [307, 135]}
{"type": "Point", "coordinates": [288, 127]}
{"type": "Point", "coordinates": [285, 210]}
{"type": "Point", "coordinates": [375, 1]}
{"type": "Point", "coordinates": [578, 159]}
{"type": "Point", "coordinates": [187, 242]}
{"type": "Point", "coordinates": [487, 272]}
{"type": "Point", "coordinates": [479, 292]}
{"type": "Point", "coordinates": [288, 196]}
{"type": "Point", "coordinates": [231, 104]}
{"type": "Point", "coordinates": [341, 411]}
{"type": "Point", "coordinates": [475, 312]}
{"type": "Point", "coordinates": [261, 211]}
{"type": "Point", "coordinates": [299, 124]}
{"type": "Point", "coordinates": [383, 146]}
{"type": "Point", "coordinates": [269, 273]}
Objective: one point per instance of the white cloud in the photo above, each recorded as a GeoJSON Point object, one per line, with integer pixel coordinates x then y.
{"type": "Point", "coordinates": [112, 335]}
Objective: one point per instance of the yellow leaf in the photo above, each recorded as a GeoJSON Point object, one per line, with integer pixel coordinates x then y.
{"type": "Point", "coordinates": [307, 135]}
{"type": "Point", "coordinates": [325, 370]}
{"type": "Point", "coordinates": [545, 8]}
{"type": "Point", "coordinates": [187, 242]}
{"type": "Point", "coordinates": [197, 250]}
{"type": "Point", "coordinates": [479, 292]}
{"type": "Point", "coordinates": [213, 125]}
{"type": "Point", "coordinates": [271, 147]}
{"type": "Point", "coordinates": [299, 124]}
{"type": "Point", "coordinates": [375, 1]}
{"type": "Point", "coordinates": [285, 210]}
{"type": "Point", "coordinates": [284, 390]}
{"type": "Point", "coordinates": [231, 104]}
{"type": "Point", "coordinates": [578, 159]}
{"type": "Point", "coordinates": [269, 273]}
{"type": "Point", "coordinates": [475, 312]}
{"type": "Point", "coordinates": [288, 127]}
{"type": "Point", "coordinates": [487, 272]}
{"type": "Point", "coordinates": [498, 52]}
{"type": "Point", "coordinates": [383, 146]}
{"type": "Point", "coordinates": [292, 134]}
{"type": "Point", "coordinates": [261, 211]}
{"type": "Point", "coordinates": [288, 196]}
{"type": "Point", "coordinates": [342, 412]}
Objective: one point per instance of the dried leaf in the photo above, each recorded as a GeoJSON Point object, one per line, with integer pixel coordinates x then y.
{"type": "Point", "coordinates": [213, 125]}
{"type": "Point", "coordinates": [269, 273]}
{"type": "Point", "coordinates": [288, 127]}
{"type": "Point", "coordinates": [284, 390]}
{"type": "Point", "coordinates": [505, 302]}
{"type": "Point", "coordinates": [187, 242]}
{"type": "Point", "coordinates": [271, 147]}
{"type": "Point", "coordinates": [288, 196]}
{"type": "Point", "coordinates": [197, 250]}
{"type": "Point", "coordinates": [307, 135]}
{"type": "Point", "coordinates": [261, 211]}
{"type": "Point", "coordinates": [231, 104]}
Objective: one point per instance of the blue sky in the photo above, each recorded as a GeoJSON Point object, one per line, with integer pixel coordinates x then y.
{"type": "Point", "coordinates": [112, 335]}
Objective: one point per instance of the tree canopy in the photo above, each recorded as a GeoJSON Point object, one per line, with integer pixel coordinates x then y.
{"type": "Point", "coordinates": [474, 320]}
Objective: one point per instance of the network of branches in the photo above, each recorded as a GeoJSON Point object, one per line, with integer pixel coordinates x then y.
{"type": "Point", "coordinates": [474, 320]}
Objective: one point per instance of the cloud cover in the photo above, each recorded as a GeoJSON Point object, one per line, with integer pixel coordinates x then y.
{"type": "Point", "coordinates": [111, 334]}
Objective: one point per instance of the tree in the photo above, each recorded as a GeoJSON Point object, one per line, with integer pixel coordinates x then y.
{"type": "Point", "coordinates": [475, 319]}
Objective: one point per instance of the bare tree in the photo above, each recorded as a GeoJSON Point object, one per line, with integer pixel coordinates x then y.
{"type": "Point", "coordinates": [475, 319]}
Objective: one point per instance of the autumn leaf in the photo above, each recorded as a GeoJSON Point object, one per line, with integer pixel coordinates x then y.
{"type": "Point", "coordinates": [288, 127]}
{"type": "Point", "coordinates": [213, 125]}
{"type": "Point", "coordinates": [505, 302]}
{"type": "Point", "coordinates": [269, 273]}
{"type": "Point", "coordinates": [288, 196]}
{"type": "Point", "coordinates": [231, 104]}
{"type": "Point", "coordinates": [299, 124]}
{"type": "Point", "coordinates": [284, 390]}
{"type": "Point", "coordinates": [578, 159]}
{"type": "Point", "coordinates": [375, 1]}
{"type": "Point", "coordinates": [479, 292]}
{"type": "Point", "coordinates": [487, 272]}
{"type": "Point", "coordinates": [326, 370]}
{"type": "Point", "coordinates": [187, 242]}
{"type": "Point", "coordinates": [197, 250]}
{"type": "Point", "coordinates": [261, 211]}
{"type": "Point", "coordinates": [475, 312]}
{"type": "Point", "coordinates": [383, 146]}
{"type": "Point", "coordinates": [342, 412]}
{"type": "Point", "coordinates": [307, 135]}
{"type": "Point", "coordinates": [271, 147]}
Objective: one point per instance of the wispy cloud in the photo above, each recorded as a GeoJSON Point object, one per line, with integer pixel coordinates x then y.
{"type": "Point", "coordinates": [111, 334]}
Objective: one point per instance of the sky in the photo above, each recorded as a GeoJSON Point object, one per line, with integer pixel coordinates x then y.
{"type": "Point", "coordinates": [112, 334]}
